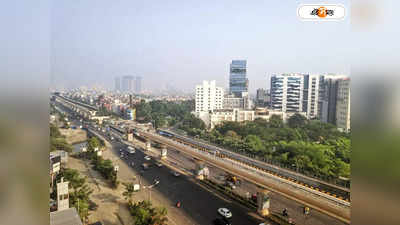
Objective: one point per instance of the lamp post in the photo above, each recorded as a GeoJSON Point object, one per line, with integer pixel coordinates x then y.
{"type": "Point", "coordinates": [150, 187]}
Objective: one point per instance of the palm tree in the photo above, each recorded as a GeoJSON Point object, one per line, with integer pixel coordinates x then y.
{"type": "Point", "coordinates": [159, 216]}
{"type": "Point", "coordinates": [129, 189]}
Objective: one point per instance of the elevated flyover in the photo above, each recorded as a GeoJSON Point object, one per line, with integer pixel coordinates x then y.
{"type": "Point", "coordinates": [323, 202]}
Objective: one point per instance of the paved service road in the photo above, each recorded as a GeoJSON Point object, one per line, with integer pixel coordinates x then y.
{"type": "Point", "coordinates": [199, 206]}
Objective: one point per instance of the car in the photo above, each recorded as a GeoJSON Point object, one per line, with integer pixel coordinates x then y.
{"type": "Point", "coordinates": [220, 221]}
{"type": "Point", "coordinates": [147, 158]}
{"type": "Point", "coordinates": [132, 164]}
{"type": "Point", "coordinates": [264, 224]}
{"type": "Point", "coordinates": [159, 164]}
{"type": "Point", "coordinates": [176, 174]}
{"type": "Point", "coordinates": [224, 212]}
{"type": "Point", "coordinates": [231, 185]}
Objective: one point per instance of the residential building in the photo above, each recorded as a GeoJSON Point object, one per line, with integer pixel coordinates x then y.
{"type": "Point", "coordinates": [262, 97]}
{"type": "Point", "coordinates": [311, 93]}
{"type": "Point", "coordinates": [117, 84]}
{"type": "Point", "coordinates": [235, 115]}
{"type": "Point", "coordinates": [127, 83]}
{"type": "Point", "coordinates": [131, 113]}
{"type": "Point", "coordinates": [138, 84]}
{"type": "Point", "coordinates": [287, 92]}
{"type": "Point", "coordinates": [233, 102]}
{"type": "Point", "coordinates": [328, 98]}
{"type": "Point", "coordinates": [343, 105]}
{"type": "Point", "coordinates": [265, 113]}
{"type": "Point", "coordinates": [209, 97]}
{"type": "Point", "coordinates": [238, 82]}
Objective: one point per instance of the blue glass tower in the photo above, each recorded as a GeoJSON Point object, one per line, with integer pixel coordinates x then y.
{"type": "Point", "coordinates": [238, 81]}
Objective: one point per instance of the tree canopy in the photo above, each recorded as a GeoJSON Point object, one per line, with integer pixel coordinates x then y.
{"type": "Point", "coordinates": [309, 146]}
{"type": "Point", "coordinates": [145, 214]}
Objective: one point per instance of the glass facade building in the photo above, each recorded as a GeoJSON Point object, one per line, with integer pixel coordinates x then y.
{"type": "Point", "coordinates": [238, 81]}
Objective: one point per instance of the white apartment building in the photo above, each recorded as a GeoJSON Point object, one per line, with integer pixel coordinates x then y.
{"type": "Point", "coordinates": [343, 105]}
{"type": "Point", "coordinates": [265, 113]}
{"type": "Point", "coordinates": [287, 92]}
{"type": "Point", "coordinates": [234, 102]}
{"type": "Point", "coordinates": [311, 89]}
{"type": "Point", "coordinates": [209, 97]}
{"type": "Point", "coordinates": [234, 115]}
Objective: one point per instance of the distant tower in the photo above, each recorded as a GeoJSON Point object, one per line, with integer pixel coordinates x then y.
{"type": "Point", "coordinates": [62, 195]}
{"type": "Point", "coordinates": [138, 84]}
{"type": "Point", "coordinates": [117, 84]}
{"type": "Point", "coordinates": [127, 83]}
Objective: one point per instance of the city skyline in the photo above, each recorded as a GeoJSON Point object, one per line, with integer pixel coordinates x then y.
{"type": "Point", "coordinates": [176, 44]}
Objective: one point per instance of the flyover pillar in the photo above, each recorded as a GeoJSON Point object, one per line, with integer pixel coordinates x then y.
{"type": "Point", "coordinates": [148, 145]}
{"type": "Point", "coordinates": [201, 172]}
{"type": "Point", "coordinates": [263, 201]}
{"type": "Point", "coordinates": [164, 151]}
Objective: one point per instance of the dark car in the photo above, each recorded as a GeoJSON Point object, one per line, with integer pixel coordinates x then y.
{"type": "Point", "coordinates": [221, 221]}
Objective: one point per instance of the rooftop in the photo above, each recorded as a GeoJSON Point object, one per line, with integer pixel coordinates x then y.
{"type": "Point", "coordinates": [65, 217]}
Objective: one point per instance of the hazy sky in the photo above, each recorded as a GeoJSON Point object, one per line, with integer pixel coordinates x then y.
{"type": "Point", "coordinates": [184, 42]}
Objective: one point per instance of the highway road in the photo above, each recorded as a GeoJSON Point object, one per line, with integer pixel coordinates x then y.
{"type": "Point", "coordinates": [278, 202]}
{"type": "Point", "coordinates": [199, 205]}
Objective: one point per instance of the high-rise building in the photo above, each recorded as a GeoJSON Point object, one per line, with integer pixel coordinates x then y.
{"type": "Point", "coordinates": [117, 84]}
{"type": "Point", "coordinates": [343, 105]}
{"type": "Point", "coordinates": [208, 97]}
{"type": "Point", "coordinates": [238, 82]}
{"type": "Point", "coordinates": [138, 84]}
{"type": "Point", "coordinates": [262, 97]}
{"type": "Point", "coordinates": [287, 92]}
{"type": "Point", "coordinates": [127, 83]}
{"type": "Point", "coordinates": [233, 102]}
{"type": "Point", "coordinates": [328, 98]}
{"type": "Point", "coordinates": [311, 95]}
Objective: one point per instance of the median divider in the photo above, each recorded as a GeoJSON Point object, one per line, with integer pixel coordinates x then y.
{"type": "Point", "coordinates": [227, 192]}
{"type": "Point", "coordinates": [279, 219]}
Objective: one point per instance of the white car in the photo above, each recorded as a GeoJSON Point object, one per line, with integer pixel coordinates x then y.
{"type": "Point", "coordinates": [225, 212]}
{"type": "Point", "coordinates": [176, 174]}
{"type": "Point", "coordinates": [147, 158]}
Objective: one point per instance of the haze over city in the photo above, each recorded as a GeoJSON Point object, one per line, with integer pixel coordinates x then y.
{"type": "Point", "coordinates": [179, 44]}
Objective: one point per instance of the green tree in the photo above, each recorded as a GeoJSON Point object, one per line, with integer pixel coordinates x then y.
{"type": "Point", "coordinates": [129, 190]}
{"type": "Point", "coordinates": [275, 121]}
{"type": "Point", "coordinates": [145, 214]}
{"type": "Point", "coordinates": [297, 121]}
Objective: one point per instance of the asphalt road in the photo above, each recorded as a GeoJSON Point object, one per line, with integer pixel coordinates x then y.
{"type": "Point", "coordinates": [198, 204]}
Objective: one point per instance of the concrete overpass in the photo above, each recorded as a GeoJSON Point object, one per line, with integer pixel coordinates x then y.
{"type": "Point", "coordinates": [87, 111]}
{"type": "Point", "coordinates": [324, 203]}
